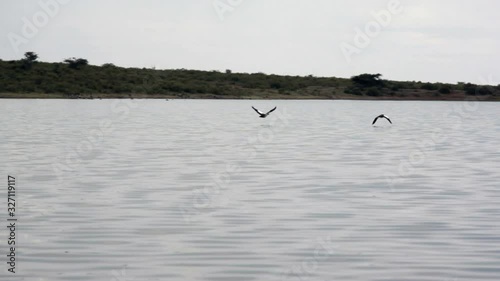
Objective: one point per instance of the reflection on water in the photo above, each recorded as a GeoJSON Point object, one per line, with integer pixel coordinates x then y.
{"type": "Point", "coordinates": [206, 190]}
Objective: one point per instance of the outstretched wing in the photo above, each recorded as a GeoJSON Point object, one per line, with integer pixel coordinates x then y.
{"type": "Point", "coordinates": [256, 110]}
{"type": "Point", "coordinates": [271, 110]}
{"type": "Point", "coordinates": [375, 120]}
{"type": "Point", "coordinates": [388, 119]}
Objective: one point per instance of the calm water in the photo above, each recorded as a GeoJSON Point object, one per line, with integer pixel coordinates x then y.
{"type": "Point", "coordinates": [205, 190]}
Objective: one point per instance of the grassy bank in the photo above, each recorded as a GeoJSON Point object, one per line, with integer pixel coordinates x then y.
{"type": "Point", "coordinates": [76, 79]}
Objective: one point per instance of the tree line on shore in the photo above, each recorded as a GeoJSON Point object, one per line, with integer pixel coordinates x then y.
{"type": "Point", "coordinates": [75, 76]}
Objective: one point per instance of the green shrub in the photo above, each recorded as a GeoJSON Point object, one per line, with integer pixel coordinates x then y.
{"type": "Point", "coordinates": [396, 87]}
{"type": "Point", "coordinates": [470, 89]}
{"type": "Point", "coordinates": [368, 80]}
{"type": "Point", "coordinates": [485, 91]}
{"type": "Point", "coordinates": [373, 92]}
{"type": "Point", "coordinates": [445, 89]}
{"type": "Point", "coordinates": [429, 86]}
{"type": "Point", "coordinates": [353, 91]}
{"type": "Point", "coordinates": [76, 63]}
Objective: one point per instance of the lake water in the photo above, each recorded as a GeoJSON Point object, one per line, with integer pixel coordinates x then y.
{"type": "Point", "coordinates": [205, 190]}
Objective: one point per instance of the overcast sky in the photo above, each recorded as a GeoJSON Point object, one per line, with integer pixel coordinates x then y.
{"type": "Point", "coordinates": [428, 40]}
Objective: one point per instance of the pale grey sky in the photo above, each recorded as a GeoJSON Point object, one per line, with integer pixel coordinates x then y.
{"type": "Point", "coordinates": [425, 40]}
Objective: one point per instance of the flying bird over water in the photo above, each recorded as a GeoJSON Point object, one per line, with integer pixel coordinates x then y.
{"type": "Point", "coordinates": [381, 116]}
{"type": "Point", "coordinates": [262, 114]}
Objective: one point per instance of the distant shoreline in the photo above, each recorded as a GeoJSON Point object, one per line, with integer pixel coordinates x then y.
{"type": "Point", "coordinates": [76, 79]}
{"type": "Point", "coordinates": [34, 97]}
{"type": "Point", "coordinates": [422, 97]}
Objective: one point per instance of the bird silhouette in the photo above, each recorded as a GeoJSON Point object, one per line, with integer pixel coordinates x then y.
{"type": "Point", "coordinates": [381, 116]}
{"type": "Point", "coordinates": [262, 114]}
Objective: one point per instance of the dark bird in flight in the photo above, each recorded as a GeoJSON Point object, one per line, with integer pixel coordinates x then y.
{"type": "Point", "coordinates": [381, 116]}
{"type": "Point", "coordinates": [262, 114]}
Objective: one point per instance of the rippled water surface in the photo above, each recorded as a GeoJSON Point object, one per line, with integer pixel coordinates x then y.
{"type": "Point", "coordinates": [205, 190]}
